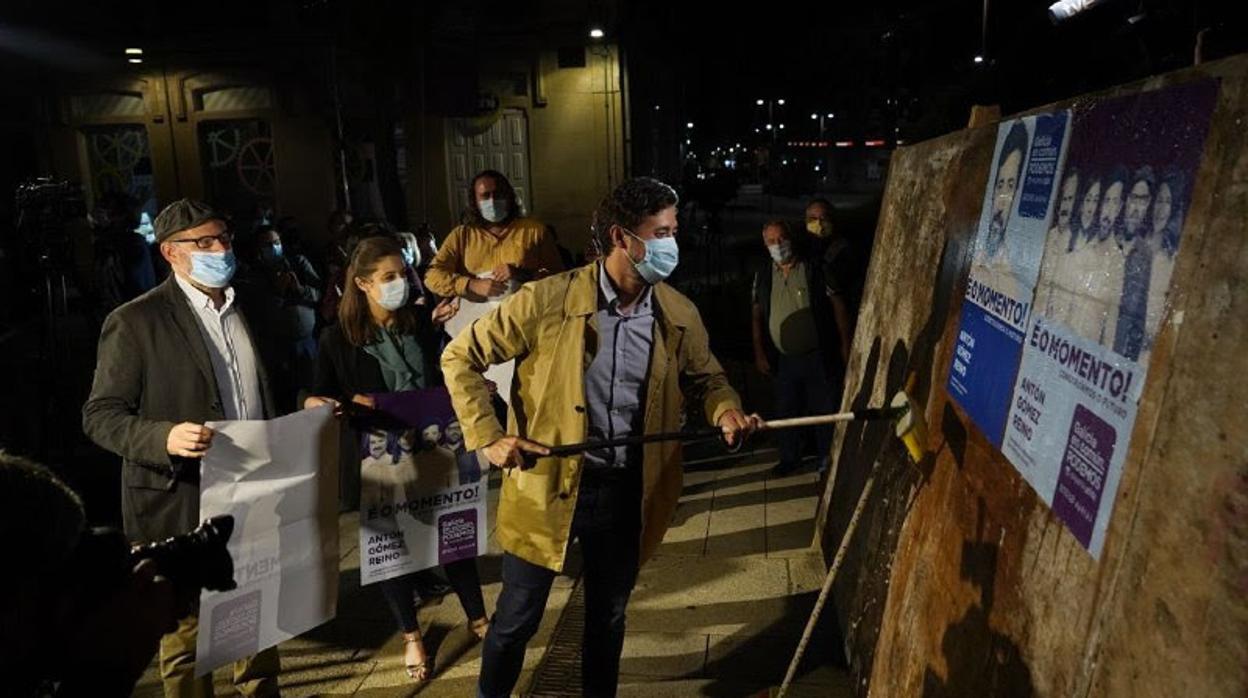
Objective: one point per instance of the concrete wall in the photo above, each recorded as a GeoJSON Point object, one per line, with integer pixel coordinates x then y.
{"type": "Point", "coordinates": [960, 581]}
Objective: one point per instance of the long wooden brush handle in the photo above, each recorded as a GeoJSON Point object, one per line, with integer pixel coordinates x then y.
{"type": "Point", "coordinates": [869, 414]}
{"type": "Point", "coordinates": [826, 591]}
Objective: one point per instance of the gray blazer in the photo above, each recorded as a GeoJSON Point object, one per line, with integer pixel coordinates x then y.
{"type": "Point", "coordinates": [153, 371]}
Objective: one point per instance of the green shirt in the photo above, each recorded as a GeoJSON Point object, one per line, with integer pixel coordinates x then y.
{"type": "Point", "coordinates": [401, 360]}
{"type": "Point", "coordinates": [791, 320]}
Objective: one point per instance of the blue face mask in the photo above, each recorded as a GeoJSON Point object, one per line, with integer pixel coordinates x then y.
{"type": "Point", "coordinates": [660, 259]}
{"type": "Point", "coordinates": [409, 257]}
{"type": "Point", "coordinates": [213, 269]}
{"type": "Point", "coordinates": [272, 252]}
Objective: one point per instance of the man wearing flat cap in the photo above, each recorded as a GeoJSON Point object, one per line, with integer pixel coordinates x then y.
{"type": "Point", "coordinates": [170, 360]}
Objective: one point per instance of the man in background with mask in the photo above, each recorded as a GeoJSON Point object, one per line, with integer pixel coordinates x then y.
{"type": "Point", "coordinates": [603, 351]}
{"type": "Point", "coordinates": [170, 360]}
{"type": "Point", "coordinates": [495, 249]}
{"type": "Point", "coordinates": [843, 270]}
{"type": "Point", "coordinates": [291, 293]}
{"type": "Point", "coordinates": [796, 341]}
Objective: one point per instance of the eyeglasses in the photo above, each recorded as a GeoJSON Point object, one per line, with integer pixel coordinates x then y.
{"type": "Point", "coordinates": [205, 242]}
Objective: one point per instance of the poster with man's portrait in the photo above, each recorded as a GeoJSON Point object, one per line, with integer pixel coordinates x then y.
{"type": "Point", "coordinates": [1008, 248]}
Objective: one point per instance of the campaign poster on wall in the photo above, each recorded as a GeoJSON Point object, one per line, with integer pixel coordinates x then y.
{"type": "Point", "coordinates": [1102, 295]}
{"type": "Point", "coordinates": [1008, 248]}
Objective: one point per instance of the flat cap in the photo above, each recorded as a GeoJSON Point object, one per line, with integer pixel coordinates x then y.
{"type": "Point", "coordinates": [182, 215]}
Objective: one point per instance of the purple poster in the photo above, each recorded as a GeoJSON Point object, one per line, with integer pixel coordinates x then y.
{"type": "Point", "coordinates": [1085, 467]}
{"type": "Point", "coordinates": [457, 536]}
{"type": "Point", "coordinates": [422, 496]}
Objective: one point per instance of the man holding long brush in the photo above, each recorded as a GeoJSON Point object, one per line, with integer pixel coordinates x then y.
{"type": "Point", "coordinates": [603, 351]}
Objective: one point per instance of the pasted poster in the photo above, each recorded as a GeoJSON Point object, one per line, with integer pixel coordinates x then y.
{"type": "Point", "coordinates": [278, 479]}
{"type": "Point", "coordinates": [1102, 295]}
{"type": "Point", "coordinates": [1009, 246]}
{"type": "Point", "coordinates": [422, 496]}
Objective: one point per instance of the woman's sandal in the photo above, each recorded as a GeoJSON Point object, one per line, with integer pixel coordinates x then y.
{"type": "Point", "coordinates": [480, 627]}
{"type": "Point", "coordinates": [418, 672]}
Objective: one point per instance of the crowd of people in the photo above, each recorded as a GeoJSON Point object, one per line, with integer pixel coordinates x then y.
{"type": "Point", "coordinates": [250, 324]}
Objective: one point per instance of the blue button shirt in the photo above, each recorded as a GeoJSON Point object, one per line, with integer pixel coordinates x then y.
{"type": "Point", "coordinates": [615, 382]}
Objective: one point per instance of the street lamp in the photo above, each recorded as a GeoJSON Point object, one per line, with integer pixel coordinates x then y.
{"type": "Point", "coordinates": [771, 105]}
{"type": "Point", "coordinates": [822, 119]}
{"type": "Point", "coordinates": [822, 123]}
{"type": "Point", "coordinates": [773, 124]}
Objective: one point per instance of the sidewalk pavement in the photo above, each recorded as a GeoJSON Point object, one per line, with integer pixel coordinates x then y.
{"type": "Point", "coordinates": [717, 612]}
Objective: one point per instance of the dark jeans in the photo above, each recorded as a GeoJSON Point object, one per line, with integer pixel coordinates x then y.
{"type": "Point", "coordinates": [403, 598]}
{"type": "Point", "coordinates": [803, 388]}
{"type": "Point", "coordinates": [608, 524]}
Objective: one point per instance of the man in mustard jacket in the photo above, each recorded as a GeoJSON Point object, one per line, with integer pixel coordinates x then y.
{"type": "Point", "coordinates": [603, 351]}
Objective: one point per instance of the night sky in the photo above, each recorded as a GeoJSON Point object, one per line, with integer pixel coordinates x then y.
{"type": "Point", "coordinates": [884, 67]}
{"type": "Point", "coordinates": [904, 64]}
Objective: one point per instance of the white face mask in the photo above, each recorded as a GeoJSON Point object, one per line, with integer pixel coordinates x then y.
{"type": "Point", "coordinates": [781, 251]}
{"type": "Point", "coordinates": [494, 210]}
{"type": "Point", "coordinates": [393, 294]}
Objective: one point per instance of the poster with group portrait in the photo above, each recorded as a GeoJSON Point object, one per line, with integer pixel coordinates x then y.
{"type": "Point", "coordinates": [1102, 295]}
{"type": "Point", "coordinates": [422, 495]}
